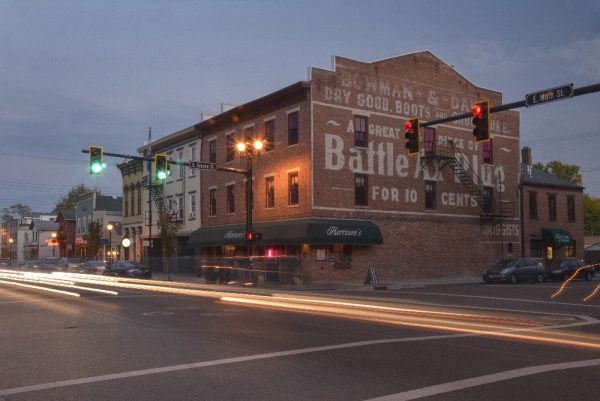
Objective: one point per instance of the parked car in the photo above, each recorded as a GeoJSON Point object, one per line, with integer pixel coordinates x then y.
{"type": "Point", "coordinates": [562, 269]}
{"type": "Point", "coordinates": [46, 265]}
{"type": "Point", "coordinates": [515, 270]}
{"type": "Point", "coordinates": [94, 266]}
{"type": "Point", "coordinates": [69, 263]}
{"type": "Point", "coordinates": [128, 269]}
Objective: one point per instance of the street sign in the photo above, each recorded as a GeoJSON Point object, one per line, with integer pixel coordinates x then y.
{"type": "Point", "coordinates": [549, 95]}
{"type": "Point", "coordinates": [104, 241]}
{"type": "Point", "coordinates": [203, 165]}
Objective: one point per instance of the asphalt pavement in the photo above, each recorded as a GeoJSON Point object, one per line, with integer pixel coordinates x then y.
{"type": "Point", "coordinates": [187, 340]}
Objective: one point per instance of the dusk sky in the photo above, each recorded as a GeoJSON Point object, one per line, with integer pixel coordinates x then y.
{"type": "Point", "coordinates": [77, 73]}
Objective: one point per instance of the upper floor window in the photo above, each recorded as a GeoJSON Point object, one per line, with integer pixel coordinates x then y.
{"type": "Point", "coordinates": [192, 205]}
{"type": "Point", "coordinates": [248, 134]}
{"type": "Point", "coordinates": [361, 189]}
{"type": "Point", "coordinates": [533, 208]}
{"type": "Point", "coordinates": [212, 196]}
{"type": "Point", "coordinates": [293, 128]}
{"type": "Point", "coordinates": [132, 200]}
{"type": "Point", "coordinates": [488, 198]}
{"type": "Point", "coordinates": [193, 158]}
{"type": "Point", "coordinates": [212, 151]}
{"type": "Point", "coordinates": [139, 199]}
{"type": "Point", "coordinates": [230, 143]}
{"type": "Point", "coordinates": [270, 192]}
{"type": "Point", "coordinates": [487, 152]}
{"type": "Point", "coordinates": [430, 195]}
{"type": "Point", "coordinates": [551, 207]}
{"type": "Point", "coordinates": [571, 208]}
{"type": "Point", "coordinates": [181, 166]}
{"type": "Point", "coordinates": [230, 198]}
{"type": "Point", "coordinates": [360, 131]}
{"type": "Point", "coordinates": [126, 200]}
{"type": "Point", "coordinates": [293, 197]}
{"type": "Point", "coordinates": [269, 135]}
{"type": "Point", "coordinates": [429, 140]}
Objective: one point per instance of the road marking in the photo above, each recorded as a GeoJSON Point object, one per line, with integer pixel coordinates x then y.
{"type": "Point", "coordinates": [500, 299]}
{"type": "Point", "coordinates": [486, 379]}
{"type": "Point", "coordinates": [197, 365]}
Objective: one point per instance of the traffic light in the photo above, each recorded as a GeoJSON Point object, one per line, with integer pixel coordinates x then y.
{"type": "Point", "coordinates": [253, 236]}
{"type": "Point", "coordinates": [481, 121]}
{"type": "Point", "coordinates": [96, 164]}
{"type": "Point", "coordinates": [161, 167]}
{"type": "Point", "coordinates": [411, 133]}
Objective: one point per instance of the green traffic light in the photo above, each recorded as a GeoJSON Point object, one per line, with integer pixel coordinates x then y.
{"type": "Point", "coordinates": [161, 175]}
{"type": "Point", "coordinates": [96, 168]}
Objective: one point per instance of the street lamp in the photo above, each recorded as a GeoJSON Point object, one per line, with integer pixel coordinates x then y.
{"type": "Point", "coordinates": [248, 151]}
{"type": "Point", "coordinates": [10, 241]}
{"type": "Point", "coordinates": [54, 245]}
{"type": "Point", "coordinates": [109, 227]}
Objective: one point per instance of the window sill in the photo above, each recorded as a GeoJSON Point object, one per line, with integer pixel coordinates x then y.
{"type": "Point", "coordinates": [292, 145]}
{"type": "Point", "coordinates": [294, 205]}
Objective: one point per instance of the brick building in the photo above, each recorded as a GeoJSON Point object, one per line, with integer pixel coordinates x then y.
{"type": "Point", "coordinates": [66, 234]}
{"type": "Point", "coordinates": [335, 188]}
{"type": "Point", "coordinates": [552, 214]}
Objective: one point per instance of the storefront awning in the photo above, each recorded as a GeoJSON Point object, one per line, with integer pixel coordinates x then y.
{"type": "Point", "coordinates": [291, 232]}
{"type": "Point", "coordinates": [556, 237]}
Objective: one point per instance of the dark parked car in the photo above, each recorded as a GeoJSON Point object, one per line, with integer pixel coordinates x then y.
{"type": "Point", "coordinates": [128, 269]}
{"type": "Point", "coordinates": [94, 267]}
{"type": "Point", "coordinates": [562, 269]}
{"type": "Point", "coordinates": [69, 264]}
{"type": "Point", "coordinates": [515, 270]}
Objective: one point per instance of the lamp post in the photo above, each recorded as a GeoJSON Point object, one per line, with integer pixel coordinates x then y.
{"type": "Point", "coordinates": [10, 241]}
{"type": "Point", "coordinates": [54, 245]}
{"type": "Point", "coordinates": [109, 227]}
{"type": "Point", "coordinates": [248, 151]}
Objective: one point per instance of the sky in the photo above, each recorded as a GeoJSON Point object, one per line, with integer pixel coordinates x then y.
{"type": "Point", "coordinates": [80, 73]}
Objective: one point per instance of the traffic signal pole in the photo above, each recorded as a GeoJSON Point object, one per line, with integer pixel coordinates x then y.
{"type": "Point", "coordinates": [584, 90]}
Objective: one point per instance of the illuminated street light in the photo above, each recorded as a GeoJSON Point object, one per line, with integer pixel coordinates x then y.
{"type": "Point", "coordinates": [53, 245]}
{"type": "Point", "coordinates": [248, 151]}
{"type": "Point", "coordinates": [110, 227]}
{"type": "Point", "coordinates": [10, 241]}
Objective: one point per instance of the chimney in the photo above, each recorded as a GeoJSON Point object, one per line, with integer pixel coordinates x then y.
{"type": "Point", "coordinates": [526, 155]}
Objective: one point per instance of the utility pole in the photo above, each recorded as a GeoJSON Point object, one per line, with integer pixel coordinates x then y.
{"type": "Point", "coordinates": [149, 172]}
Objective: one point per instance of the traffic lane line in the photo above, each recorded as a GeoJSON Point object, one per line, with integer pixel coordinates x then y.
{"type": "Point", "coordinates": [233, 360]}
{"type": "Point", "coordinates": [485, 379]}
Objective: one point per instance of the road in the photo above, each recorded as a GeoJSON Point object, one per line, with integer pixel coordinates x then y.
{"type": "Point", "coordinates": [151, 341]}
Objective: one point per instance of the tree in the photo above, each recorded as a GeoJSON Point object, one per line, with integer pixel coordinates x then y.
{"type": "Point", "coordinates": [591, 212]}
{"type": "Point", "coordinates": [168, 236]}
{"type": "Point", "coordinates": [569, 172]}
{"type": "Point", "coordinates": [17, 208]}
{"type": "Point", "coordinates": [69, 201]}
{"type": "Point", "coordinates": [92, 238]}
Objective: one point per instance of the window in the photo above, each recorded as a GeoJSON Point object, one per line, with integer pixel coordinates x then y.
{"type": "Point", "coordinates": [487, 152]}
{"type": "Point", "coordinates": [551, 207]}
{"type": "Point", "coordinates": [270, 192]}
{"type": "Point", "coordinates": [132, 203]}
{"type": "Point", "coordinates": [212, 151]}
{"type": "Point", "coordinates": [230, 198]}
{"type": "Point", "coordinates": [193, 158]}
{"type": "Point", "coordinates": [293, 128]}
{"type": "Point", "coordinates": [230, 143]}
{"type": "Point", "coordinates": [361, 188]}
{"type": "Point", "coordinates": [180, 207]}
{"type": "Point", "coordinates": [571, 208]}
{"type": "Point", "coordinates": [533, 208]}
{"type": "Point", "coordinates": [192, 205]}
{"type": "Point", "coordinates": [269, 135]}
{"type": "Point", "coordinates": [248, 134]}
{"type": "Point", "coordinates": [139, 199]}
{"type": "Point", "coordinates": [212, 194]}
{"type": "Point", "coordinates": [429, 141]}
{"type": "Point", "coordinates": [360, 131]}
{"type": "Point", "coordinates": [488, 198]}
{"type": "Point", "coordinates": [181, 167]}
{"type": "Point", "coordinates": [293, 189]}
{"type": "Point", "coordinates": [429, 194]}
{"type": "Point", "coordinates": [126, 196]}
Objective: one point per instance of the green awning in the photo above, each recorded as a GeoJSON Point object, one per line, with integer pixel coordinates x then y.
{"type": "Point", "coordinates": [556, 237]}
{"type": "Point", "coordinates": [292, 232]}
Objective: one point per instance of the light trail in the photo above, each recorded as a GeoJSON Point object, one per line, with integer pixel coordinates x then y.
{"type": "Point", "coordinates": [568, 280]}
{"type": "Point", "coordinates": [507, 333]}
{"type": "Point", "coordinates": [593, 294]}
{"type": "Point", "coordinates": [73, 294]}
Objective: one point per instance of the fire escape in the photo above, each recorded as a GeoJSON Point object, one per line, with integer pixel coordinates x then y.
{"type": "Point", "coordinates": [447, 154]}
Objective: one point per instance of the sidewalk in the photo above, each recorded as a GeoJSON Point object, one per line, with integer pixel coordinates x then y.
{"type": "Point", "coordinates": [190, 278]}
